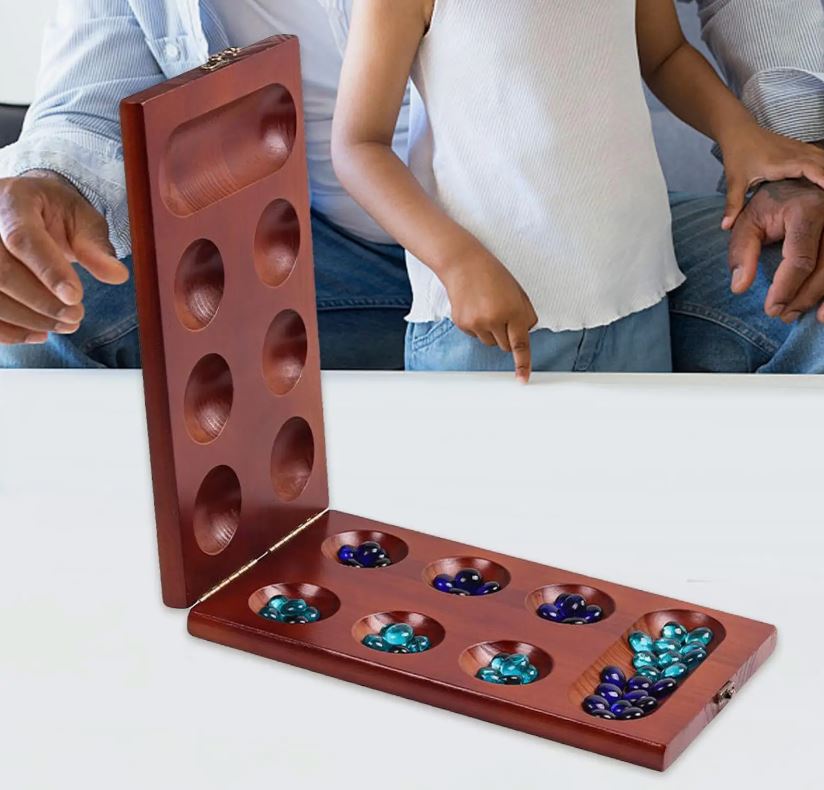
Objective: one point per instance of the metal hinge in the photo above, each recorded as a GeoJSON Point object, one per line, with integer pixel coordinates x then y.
{"type": "Point", "coordinates": [229, 579]}
{"type": "Point", "coordinates": [220, 59]}
{"type": "Point", "coordinates": [726, 693]}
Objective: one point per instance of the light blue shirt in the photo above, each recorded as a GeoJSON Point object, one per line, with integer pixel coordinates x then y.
{"type": "Point", "coordinates": [98, 51]}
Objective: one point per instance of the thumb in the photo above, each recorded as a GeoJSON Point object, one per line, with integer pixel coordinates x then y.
{"type": "Point", "coordinates": [93, 251]}
{"type": "Point", "coordinates": [736, 197]}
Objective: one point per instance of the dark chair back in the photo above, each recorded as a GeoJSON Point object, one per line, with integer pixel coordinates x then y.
{"type": "Point", "coordinates": [11, 122]}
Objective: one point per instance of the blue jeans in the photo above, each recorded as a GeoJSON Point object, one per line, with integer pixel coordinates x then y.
{"type": "Point", "coordinates": [362, 297]}
{"type": "Point", "coordinates": [639, 343]}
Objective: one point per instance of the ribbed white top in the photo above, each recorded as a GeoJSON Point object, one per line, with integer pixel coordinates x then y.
{"type": "Point", "coordinates": [531, 130]}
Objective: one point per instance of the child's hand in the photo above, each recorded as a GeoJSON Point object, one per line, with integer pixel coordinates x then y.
{"type": "Point", "coordinates": [754, 155]}
{"type": "Point", "coordinates": [488, 303]}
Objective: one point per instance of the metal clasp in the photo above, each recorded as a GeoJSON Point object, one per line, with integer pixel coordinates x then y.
{"type": "Point", "coordinates": [220, 59]}
{"type": "Point", "coordinates": [726, 693]}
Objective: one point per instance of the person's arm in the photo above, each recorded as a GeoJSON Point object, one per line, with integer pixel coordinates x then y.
{"type": "Point", "coordinates": [62, 185]}
{"type": "Point", "coordinates": [486, 300]}
{"type": "Point", "coordinates": [772, 56]}
{"type": "Point", "coordinates": [686, 83]}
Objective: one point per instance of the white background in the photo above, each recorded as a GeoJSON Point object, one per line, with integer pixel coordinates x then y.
{"type": "Point", "coordinates": [21, 34]}
{"type": "Point", "coordinates": [707, 489]}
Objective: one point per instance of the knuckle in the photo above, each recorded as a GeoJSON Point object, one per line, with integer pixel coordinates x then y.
{"type": "Point", "coordinates": [805, 264]}
{"type": "Point", "coordinates": [16, 239]}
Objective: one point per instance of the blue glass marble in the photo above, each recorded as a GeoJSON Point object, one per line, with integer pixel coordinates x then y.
{"type": "Point", "coordinates": [676, 671]}
{"type": "Point", "coordinates": [460, 591]}
{"type": "Point", "coordinates": [609, 692]}
{"type": "Point", "coordinates": [468, 579]}
{"type": "Point", "coordinates": [487, 588]}
{"type": "Point", "coordinates": [619, 706]}
{"type": "Point", "coordinates": [346, 553]}
{"type": "Point", "coordinates": [443, 583]}
{"type": "Point", "coordinates": [663, 688]}
{"type": "Point", "coordinates": [397, 633]}
{"type": "Point", "coordinates": [550, 612]}
{"type": "Point", "coordinates": [594, 702]}
{"type": "Point", "coordinates": [368, 553]}
{"type": "Point", "coordinates": [375, 642]}
{"type": "Point", "coordinates": [640, 642]}
{"type": "Point", "coordinates": [673, 630]}
{"type": "Point", "coordinates": [664, 645]}
{"type": "Point", "coordinates": [573, 605]}
{"type": "Point", "coordinates": [613, 675]}
{"type": "Point", "coordinates": [640, 660]}
{"type": "Point", "coordinates": [693, 659]}
{"type": "Point", "coordinates": [593, 613]}
{"type": "Point", "coordinates": [639, 683]}
{"type": "Point", "coordinates": [634, 696]}
{"type": "Point", "coordinates": [653, 673]}
{"type": "Point", "coordinates": [559, 601]}
{"type": "Point", "coordinates": [602, 714]}
{"type": "Point", "coordinates": [702, 635]}
{"type": "Point", "coordinates": [574, 621]}
{"type": "Point", "coordinates": [646, 704]}
{"type": "Point", "coordinates": [419, 644]}
{"type": "Point", "coordinates": [630, 713]}
{"type": "Point", "coordinates": [669, 658]}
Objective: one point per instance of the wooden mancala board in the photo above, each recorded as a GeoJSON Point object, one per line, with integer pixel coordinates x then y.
{"type": "Point", "coordinates": [219, 207]}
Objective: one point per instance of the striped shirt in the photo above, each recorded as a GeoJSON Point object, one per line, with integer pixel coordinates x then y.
{"type": "Point", "coordinates": [98, 51]}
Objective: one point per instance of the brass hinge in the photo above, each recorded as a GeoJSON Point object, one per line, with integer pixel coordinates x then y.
{"type": "Point", "coordinates": [229, 579]}
{"type": "Point", "coordinates": [220, 59]}
{"type": "Point", "coordinates": [725, 694]}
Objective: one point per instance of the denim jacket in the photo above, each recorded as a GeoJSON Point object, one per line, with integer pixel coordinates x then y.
{"type": "Point", "coordinates": [96, 52]}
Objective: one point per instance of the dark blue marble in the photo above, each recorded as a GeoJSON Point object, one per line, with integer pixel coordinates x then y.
{"type": "Point", "coordinates": [573, 606]}
{"type": "Point", "coordinates": [639, 683]}
{"type": "Point", "coordinates": [602, 714]}
{"type": "Point", "coordinates": [346, 554]}
{"type": "Point", "coordinates": [646, 704]}
{"type": "Point", "coordinates": [694, 658]}
{"type": "Point", "coordinates": [613, 675]}
{"type": "Point", "coordinates": [594, 702]}
{"type": "Point", "coordinates": [550, 612]}
{"type": "Point", "coordinates": [460, 591]}
{"type": "Point", "coordinates": [574, 621]}
{"type": "Point", "coordinates": [368, 553]}
{"type": "Point", "coordinates": [468, 579]}
{"type": "Point", "coordinates": [609, 691]}
{"type": "Point", "coordinates": [634, 696]}
{"type": "Point", "coordinates": [663, 688]}
{"type": "Point", "coordinates": [631, 713]}
{"type": "Point", "coordinates": [593, 613]}
{"type": "Point", "coordinates": [443, 583]}
{"type": "Point", "coordinates": [619, 706]}
{"type": "Point", "coordinates": [487, 588]}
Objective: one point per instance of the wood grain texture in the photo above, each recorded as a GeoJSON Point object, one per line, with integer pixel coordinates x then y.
{"type": "Point", "coordinates": [219, 209]}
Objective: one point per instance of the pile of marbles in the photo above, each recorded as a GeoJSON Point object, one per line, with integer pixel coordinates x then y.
{"type": "Point", "coordinates": [616, 697]}
{"type": "Point", "coordinates": [397, 638]}
{"type": "Point", "coordinates": [509, 669]}
{"type": "Point", "coordinates": [661, 665]}
{"type": "Point", "coordinates": [369, 554]}
{"type": "Point", "coordinates": [465, 582]}
{"type": "Point", "coordinates": [293, 611]}
{"type": "Point", "coordinates": [571, 609]}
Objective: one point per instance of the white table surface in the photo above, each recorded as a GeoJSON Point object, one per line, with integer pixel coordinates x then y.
{"type": "Point", "coordinates": [706, 489]}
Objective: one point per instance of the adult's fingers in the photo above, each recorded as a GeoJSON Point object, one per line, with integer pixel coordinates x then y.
{"type": "Point", "coordinates": [93, 250]}
{"type": "Point", "coordinates": [12, 312]}
{"type": "Point", "coordinates": [746, 240]}
{"type": "Point", "coordinates": [12, 335]}
{"type": "Point", "coordinates": [522, 353]}
{"type": "Point", "coordinates": [809, 295]}
{"type": "Point", "coordinates": [487, 338]}
{"type": "Point", "coordinates": [21, 285]}
{"type": "Point", "coordinates": [27, 239]}
{"type": "Point", "coordinates": [736, 197]}
{"type": "Point", "coordinates": [802, 241]}
{"type": "Point", "coordinates": [502, 338]}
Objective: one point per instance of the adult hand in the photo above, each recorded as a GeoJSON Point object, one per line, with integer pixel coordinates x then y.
{"type": "Point", "coordinates": [45, 226]}
{"type": "Point", "coordinates": [792, 211]}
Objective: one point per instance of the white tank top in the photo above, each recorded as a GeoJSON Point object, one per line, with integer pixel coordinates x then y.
{"type": "Point", "coordinates": [530, 129]}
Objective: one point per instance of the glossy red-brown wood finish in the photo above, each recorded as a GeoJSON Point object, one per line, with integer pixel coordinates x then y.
{"type": "Point", "coordinates": [469, 629]}
{"type": "Point", "coordinates": [219, 208]}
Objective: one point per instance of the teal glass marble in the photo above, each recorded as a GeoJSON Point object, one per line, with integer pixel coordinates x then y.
{"type": "Point", "coordinates": [664, 645]}
{"type": "Point", "coordinates": [669, 658]}
{"type": "Point", "coordinates": [513, 665]}
{"type": "Point", "coordinates": [691, 647]}
{"type": "Point", "coordinates": [530, 674]}
{"type": "Point", "coordinates": [641, 642]}
{"type": "Point", "coordinates": [513, 668]}
{"type": "Point", "coordinates": [276, 602]}
{"type": "Point", "coordinates": [489, 675]}
{"type": "Point", "coordinates": [693, 659]}
{"type": "Point", "coordinates": [653, 673]}
{"type": "Point", "coordinates": [418, 644]}
{"type": "Point", "coordinates": [676, 671]}
{"type": "Point", "coordinates": [311, 614]}
{"type": "Point", "coordinates": [643, 659]}
{"type": "Point", "coordinates": [673, 630]}
{"type": "Point", "coordinates": [397, 634]}
{"type": "Point", "coordinates": [375, 642]}
{"type": "Point", "coordinates": [293, 607]}
{"type": "Point", "coordinates": [702, 635]}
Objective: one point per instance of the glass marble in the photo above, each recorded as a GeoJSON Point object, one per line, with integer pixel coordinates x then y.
{"type": "Point", "coordinates": [643, 659]}
{"type": "Point", "coordinates": [693, 659]}
{"type": "Point", "coordinates": [468, 579]}
{"type": "Point", "coordinates": [513, 665]}
{"type": "Point", "coordinates": [550, 612]}
{"type": "Point", "coordinates": [619, 706]}
{"type": "Point", "coordinates": [294, 606]}
{"type": "Point", "coordinates": [530, 674]}
{"type": "Point", "coordinates": [559, 601]}
{"type": "Point", "coordinates": [634, 696]}
{"type": "Point", "coordinates": [663, 688]}
{"type": "Point", "coordinates": [691, 647]}
{"type": "Point", "coordinates": [640, 642]}
{"type": "Point", "coordinates": [487, 588]}
{"type": "Point", "coordinates": [293, 619]}
{"type": "Point", "coordinates": [419, 644]}
{"type": "Point", "coordinates": [368, 553]}
{"type": "Point", "coordinates": [574, 621]}
{"type": "Point", "coordinates": [676, 671]}
{"type": "Point", "coordinates": [673, 630]}
{"type": "Point", "coordinates": [652, 673]}
{"type": "Point", "coordinates": [665, 645]}
{"type": "Point", "coordinates": [312, 614]}
{"type": "Point", "coordinates": [602, 714]}
{"type": "Point", "coordinates": [573, 605]}
{"type": "Point", "coordinates": [594, 702]}
{"type": "Point", "coordinates": [669, 658]}
{"type": "Point", "coordinates": [609, 692]}
{"type": "Point", "coordinates": [593, 613]}
{"type": "Point", "coordinates": [276, 602]}
{"type": "Point", "coordinates": [702, 635]}
{"type": "Point", "coordinates": [398, 649]}
{"type": "Point", "coordinates": [511, 680]}
{"type": "Point", "coordinates": [489, 675]}
{"type": "Point", "coordinates": [375, 642]}
{"type": "Point", "coordinates": [346, 553]}
{"type": "Point", "coordinates": [614, 675]}
{"type": "Point", "coordinates": [460, 591]}
{"type": "Point", "coordinates": [646, 704]}
{"type": "Point", "coordinates": [639, 683]}
{"type": "Point", "coordinates": [630, 713]}
{"type": "Point", "coordinates": [397, 633]}
{"type": "Point", "coordinates": [443, 583]}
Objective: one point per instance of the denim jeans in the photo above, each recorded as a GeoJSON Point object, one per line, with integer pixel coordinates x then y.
{"type": "Point", "coordinates": [362, 297]}
{"type": "Point", "coordinates": [639, 343]}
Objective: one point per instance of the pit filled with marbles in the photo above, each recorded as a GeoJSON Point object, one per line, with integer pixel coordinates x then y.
{"type": "Point", "coordinates": [292, 611]}
{"type": "Point", "coordinates": [571, 609]}
{"type": "Point", "coordinates": [467, 581]}
{"type": "Point", "coordinates": [509, 669]}
{"type": "Point", "coordinates": [369, 554]}
{"type": "Point", "coordinates": [661, 665]}
{"type": "Point", "coordinates": [397, 638]}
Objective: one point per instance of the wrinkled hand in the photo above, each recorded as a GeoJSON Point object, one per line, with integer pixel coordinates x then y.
{"type": "Point", "coordinates": [488, 303]}
{"type": "Point", "coordinates": [753, 155]}
{"type": "Point", "coordinates": [792, 211]}
{"type": "Point", "coordinates": [45, 226]}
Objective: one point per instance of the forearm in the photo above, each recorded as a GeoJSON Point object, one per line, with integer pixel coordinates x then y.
{"type": "Point", "coordinates": [688, 85]}
{"type": "Point", "coordinates": [382, 184]}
